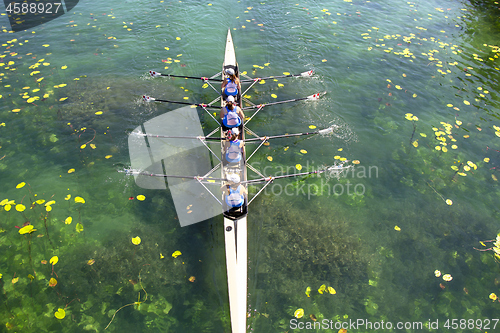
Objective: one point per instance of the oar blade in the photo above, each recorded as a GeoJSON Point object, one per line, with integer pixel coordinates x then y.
{"type": "Point", "coordinates": [308, 73]}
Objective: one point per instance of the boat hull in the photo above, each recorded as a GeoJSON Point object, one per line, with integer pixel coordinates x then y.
{"type": "Point", "coordinates": [235, 220]}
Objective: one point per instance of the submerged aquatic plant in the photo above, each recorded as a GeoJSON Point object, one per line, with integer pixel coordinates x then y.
{"type": "Point", "coordinates": [138, 303]}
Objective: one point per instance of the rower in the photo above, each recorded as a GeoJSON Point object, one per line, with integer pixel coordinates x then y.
{"type": "Point", "coordinates": [231, 115]}
{"type": "Point", "coordinates": [231, 85]}
{"type": "Point", "coordinates": [235, 196]}
{"type": "Point", "coordinates": [233, 146]}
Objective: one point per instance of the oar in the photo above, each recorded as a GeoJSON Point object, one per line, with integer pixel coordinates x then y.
{"type": "Point", "coordinates": [325, 131]}
{"type": "Point", "coordinates": [308, 73]}
{"type": "Point", "coordinates": [142, 173]}
{"type": "Point", "coordinates": [271, 178]}
{"type": "Point", "coordinates": [151, 99]}
{"type": "Point", "coordinates": [203, 78]}
{"type": "Point", "coordinates": [310, 97]}
{"type": "Point", "coordinates": [179, 137]}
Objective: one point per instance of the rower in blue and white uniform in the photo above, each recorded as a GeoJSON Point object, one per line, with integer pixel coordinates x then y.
{"type": "Point", "coordinates": [231, 85]}
{"type": "Point", "coordinates": [233, 146]}
{"type": "Point", "coordinates": [231, 115]}
{"type": "Point", "coordinates": [235, 196]}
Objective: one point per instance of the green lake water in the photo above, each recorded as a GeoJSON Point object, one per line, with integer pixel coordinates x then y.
{"type": "Point", "coordinates": [425, 191]}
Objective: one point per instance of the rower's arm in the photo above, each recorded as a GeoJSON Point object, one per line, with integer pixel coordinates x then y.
{"type": "Point", "coordinates": [221, 113]}
{"type": "Point", "coordinates": [240, 113]}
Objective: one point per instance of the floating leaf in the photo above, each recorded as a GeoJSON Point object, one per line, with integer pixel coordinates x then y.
{"type": "Point", "coordinates": [299, 313]}
{"type": "Point", "coordinates": [356, 162]}
{"type": "Point", "coordinates": [48, 208]}
{"type": "Point", "coordinates": [312, 126]}
{"type": "Point", "coordinates": [98, 113]}
{"type": "Point", "coordinates": [136, 240]}
{"type": "Point", "coordinates": [298, 167]}
{"type": "Point", "coordinates": [71, 170]}
{"type": "Point", "coordinates": [303, 151]}
{"type": "Point", "coordinates": [308, 291]}
{"type": "Point", "coordinates": [54, 260]}
{"type": "Point", "coordinates": [64, 67]}
{"type": "Point", "coordinates": [52, 282]}
{"type": "Point", "coordinates": [486, 159]}
{"type": "Point", "coordinates": [415, 143]}
{"type": "Point", "coordinates": [14, 280]}
{"type": "Point", "coordinates": [91, 262]}
{"type": "Point", "coordinates": [20, 185]}
{"type": "Point", "coordinates": [447, 277]}
{"type": "Point", "coordinates": [274, 96]}
{"type": "Point", "coordinates": [40, 201]}
{"type": "Point", "coordinates": [60, 313]}
{"type": "Point", "coordinates": [28, 229]}
{"type": "Point", "coordinates": [68, 220]}
{"type": "Point", "coordinates": [20, 207]}
{"type": "Point", "coordinates": [7, 207]}
{"type": "Point", "coordinates": [83, 146]}
{"type": "Point", "coordinates": [176, 254]}
{"type": "Point", "coordinates": [108, 156]}
{"type": "Point", "coordinates": [397, 228]}
{"type": "Point", "coordinates": [79, 200]}
{"type": "Point", "coordinates": [67, 197]}
{"type": "Point", "coordinates": [332, 291]}
{"type": "Point", "coordinates": [269, 158]}
{"type": "Point", "coordinates": [79, 227]}
{"type": "Point", "coordinates": [141, 197]}
{"type": "Point", "coordinates": [192, 279]}
{"type": "Point", "coordinates": [162, 256]}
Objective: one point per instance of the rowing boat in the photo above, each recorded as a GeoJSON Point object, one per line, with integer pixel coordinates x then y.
{"type": "Point", "coordinates": [235, 220]}
{"type": "Point", "coordinates": [150, 153]}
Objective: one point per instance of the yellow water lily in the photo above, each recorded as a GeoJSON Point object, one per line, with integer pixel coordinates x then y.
{"type": "Point", "coordinates": [322, 289]}
{"type": "Point", "coordinates": [332, 291]}
{"type": "Point", "coordinates": [20, 185]}
{"type": "Point", "coordinates": [20, 207]}
{"type": "Point", "coordinates": [54, 260]}
{"type": "Point", "coordinates": [298, 167]}
{"type": "Point", "coordinates": [68, 220]}
{"type": "Point", "coordinates": [176, 254]}
{"type": "Point", "coordinates": [60, 313]}
{"type": "Point", "coordinates": [449, 202]}
{"type": "Point", "coordinates": [141, 197]}
{"type": "Point", "coordinates": [136, 240]}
